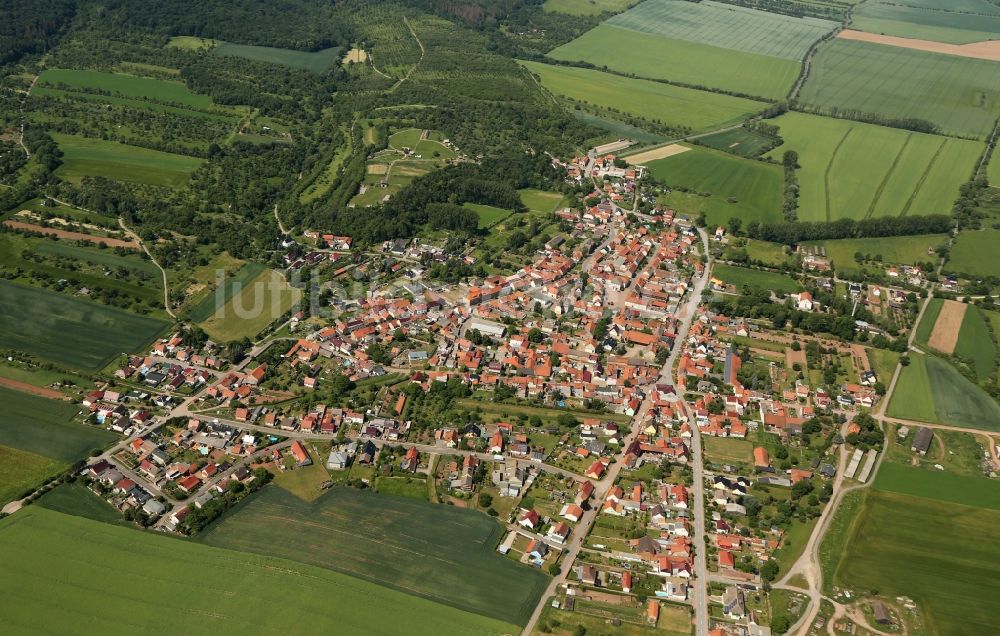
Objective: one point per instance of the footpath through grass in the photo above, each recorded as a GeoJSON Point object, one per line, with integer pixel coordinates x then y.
{"type": "Point", "coordinates": [441, 553]}
{"type": "Point", "coordinates": [47, 556]}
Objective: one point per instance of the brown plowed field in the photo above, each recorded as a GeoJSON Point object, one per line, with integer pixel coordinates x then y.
{"type": "Point", "coordinates": [988, 50]}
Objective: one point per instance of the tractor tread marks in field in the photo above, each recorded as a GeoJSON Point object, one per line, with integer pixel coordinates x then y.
{"type": "Point", "coordinates": [885, 179]}
{"type": "Point", "coordinates": [923, 178]}
{"type": "Point", "coordinates": [829, 167]}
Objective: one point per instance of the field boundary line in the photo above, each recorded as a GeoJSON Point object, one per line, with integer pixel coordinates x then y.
{"type": "Point", "coordinates": [829, 167]}
{"type": "Point", "coordinates": [888, 175]}
{"type": "Point", "coordinates": [923, 178]}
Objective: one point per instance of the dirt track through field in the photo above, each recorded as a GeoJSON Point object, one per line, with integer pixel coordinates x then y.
{"type": "Point", "coordinates": [988, 50]}
{"type": "Point", "coordinates": [72, 236]}
{"type": "Point", "coordinates": [24, 387]}
{"type": "Point", "coordinates": [946, 328]}
{"type": "Point", "coordinates": [657, 153]}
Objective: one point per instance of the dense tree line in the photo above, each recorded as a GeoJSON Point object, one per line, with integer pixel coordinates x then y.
{"type": "Point", "coordinates": [794, 233]}
{"type": "Point", "coordinates": [306, 25]}
{"type": "Point", "coordinates": [904, 123]}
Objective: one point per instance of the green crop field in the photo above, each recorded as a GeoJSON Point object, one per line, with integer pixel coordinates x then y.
{"type": "Point", "coordinates": [977, 491]}
{"type": "Point", "coordinates": [740, 276]}
{"type": "Point", "coordinates": [21, 471]}
{"type": "Point", "coordinates": [586, 7]}
{"type": "Point", "coordinates": [739, 141]}
{"type": "Point", "coordinates": [726, 26]}
{"type": "Point", "coordinates": [931, 390]}
{"type": "Point", "coordinates": [973, 253]}
{"type": "Point", "coordinates": [70, 331]}
{"type": "Point", "coordinates": [74, 498]}
{"type": "Point", "coordinates": [960, 95]}
{"type": "Point", "coordinates": [43, 426]}
{"type": "Point", "coordinates": [223, 291]}
{"type": "Point", "coordinates": [126, 85]}
{"type": "Point", "coordinates": [903, 250]}
{"type": "Point", "coordinates": [928, 320]}
{"type": "Point", "coordinates": [681, 61]}
{"type": "Point", "coordinates": [855, 170]}
{"type": "Point", "coordinates": [84, 157]}
{"type": "Point", "coordinates": [431, 149]}
{"type": "Point", "coordinates": [261, 301]}
{"type": "Point", "coordinates": [975, 343]}
{"type": "Point", "coordinates": [314, 61]}
{"type": "Point", "coordinates": [654, 101]}
{"type": "Point", "coordinates": [703, 44]}
{"type": "Point", "coordinates": [488, 215]}
{"type": "Point", "coordinates": [937, 553]}
{"type": "Point", "coordinates": [744, 188]}
{"type": "Point", "coordinates": [953, 21]}
{"type": "Point", "coordinates": [46, 555]}
{"type": "Point", "coordinates": [415, 547]}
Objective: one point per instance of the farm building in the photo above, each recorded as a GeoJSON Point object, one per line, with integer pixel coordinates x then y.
{"type": "Point", "coordinates": [922, 441]}
{"type": "Point", "coordinates": [882, 616]}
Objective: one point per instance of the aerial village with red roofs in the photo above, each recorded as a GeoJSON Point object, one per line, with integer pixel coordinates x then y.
{"type": "Point", "coordinates": [646, 434]}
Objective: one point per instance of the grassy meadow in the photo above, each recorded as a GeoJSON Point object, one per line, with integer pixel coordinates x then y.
{"type": "Point", "coordinates": [960, 95]}
{"type": "Point", "coordinates": [414, 547]}
{"type": "Point", "coordinates": [488, 215]}
{"type": "Point", "coordinates": [903, 250]}
{"type": "Point", "coordinates": [973, 253]}
{"type": "Point", "coordinates": [41, 591]}
{"type": "Point", "coordinates": [223, 291]}
{"type": "Point", "coordinates": [888, 546]}
{"type": "Point", "coordinates": [654, 101]}
{"type": "Point", "coordinates": [85, 157]}
{"type": "Point", "coordinates": [70, 331]}
{"type": "Point", "coordinates": [168, 92]}
{"type": "Point", "coordinates": [247, 312]}
{"type": "Point", "coordinates": [740, 276]}
{"type": "Point", "coordinates": [736, 187]}
{"type": "Point", "coordinates": [952, 21]}
{"type": "Point", "coordinates": [313, 61]}
{"type": "Point", "coordinates": [855, 170]}
{"type": "Point", "coordinates": [681, 61]}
